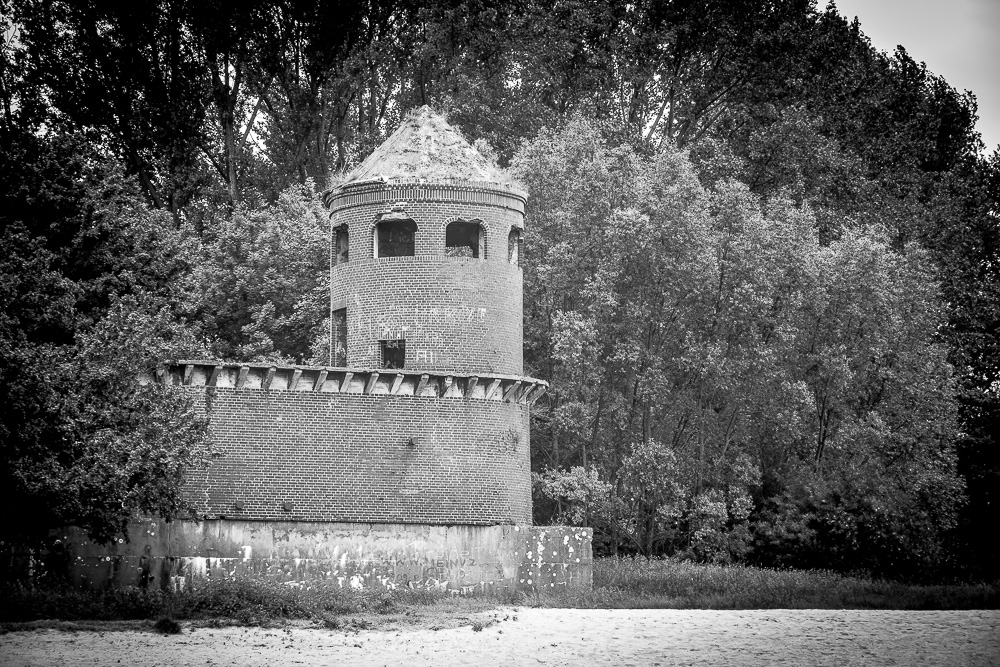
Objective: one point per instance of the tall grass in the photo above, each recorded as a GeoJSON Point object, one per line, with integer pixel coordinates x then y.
{"type": "Point", "coordinates": [243, 600]}
{"type": "Point", "coordinates": [664, 583]}
{"type": "Point", "coordinates": [618, 583]}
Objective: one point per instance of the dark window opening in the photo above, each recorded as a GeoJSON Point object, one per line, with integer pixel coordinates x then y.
{"type": "Point", "coordinates": [339, 338]}
{"type": "Point", "coordinates": [395, 238]}
{"type": "Point", "coordinates": [514, 247]}
{"type": "Point", "coordinates": [393, 353]}
{"type": "Point", "coordinates": [464, 239]}
{"type": "Point", "coordinates": [340, 246]}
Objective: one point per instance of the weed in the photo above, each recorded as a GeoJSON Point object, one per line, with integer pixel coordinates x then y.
{"type": "Point", "coordinates": [167, 626]}
{"type": "Point", "coordinates": [331, 623]}
{"type": "Point", "coordinates": [244, 600]}
{"type": "Point", "coordinates": [479, 626]}
{"type": "Point", "coordinates": [361, 624]}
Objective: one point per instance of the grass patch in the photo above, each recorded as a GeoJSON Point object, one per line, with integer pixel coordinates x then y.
{"type": "Point", "coordinates": [77, 626]}
{"type": "Point", "coordinates": [248, 601]}
{"type": "Point", "coordinates": [243, 602]}
{"type": "Point", "coordinates": [630, 583]}
{"type": "Point", "coordinates": [23, 604]}
{"type": "Point", "coordinates": [167, 626]}
{"type": "Point", "coordinates": [636, 583]}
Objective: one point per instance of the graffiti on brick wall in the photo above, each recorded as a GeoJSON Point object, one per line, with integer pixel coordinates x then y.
{"type": "Point", "coordinates": [426, 357]}
{"type": "Point", "coordinates": [420, 325]}
{"type": "Point", "coordinates": [406, 321]}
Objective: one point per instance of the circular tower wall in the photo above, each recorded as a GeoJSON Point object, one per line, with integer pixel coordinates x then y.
{"type": "Point", "coordinates": [439, 308]}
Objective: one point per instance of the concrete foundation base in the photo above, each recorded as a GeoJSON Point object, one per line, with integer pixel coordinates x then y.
{"type": "Point", "coordinates": [462, 559]}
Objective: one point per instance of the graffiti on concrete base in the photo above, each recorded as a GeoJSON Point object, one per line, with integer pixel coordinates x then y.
{"type": "Point", "coordinates": [459, 573]}
{"type": "Point", "coordinates": [488, 559]}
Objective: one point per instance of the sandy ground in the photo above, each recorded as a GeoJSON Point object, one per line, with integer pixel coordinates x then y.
{"type": "Point", "coordinates": [555, 637]}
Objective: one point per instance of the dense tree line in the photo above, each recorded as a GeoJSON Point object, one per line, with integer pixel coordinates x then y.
{"type": "Point", "coordinates": [729, 385]}
{"type": "Point", "coordinates": [762, 272]}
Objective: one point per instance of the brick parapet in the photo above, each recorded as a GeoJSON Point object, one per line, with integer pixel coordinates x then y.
{"type": "Point", "coordinates": [364, 381]}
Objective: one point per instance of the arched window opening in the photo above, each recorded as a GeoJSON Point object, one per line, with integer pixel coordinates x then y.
{"type": "Point", "coordinates": [514, 247]}
{"type": "Point", "coordinates": [338, 338]}
{"type": "Point", "coordinates": [465, 239]}
{"type": "Point", "coordinates": [341, 246]}
{"type": "Point", "coordinates": [395, 237]}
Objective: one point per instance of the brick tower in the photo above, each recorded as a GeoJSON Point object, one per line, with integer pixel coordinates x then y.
{"type": "Point", "coordinates": [404, 461]}
{"type": "Point", "coordinates": [426, 292]}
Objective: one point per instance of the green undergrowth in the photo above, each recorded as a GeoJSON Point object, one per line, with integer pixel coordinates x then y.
{"type": "Point", "coordinates": [636, 583]}
{"type": "Point", "coordinates": [630, 583]}
{"type": "Point", "coordinates": [247, 602]}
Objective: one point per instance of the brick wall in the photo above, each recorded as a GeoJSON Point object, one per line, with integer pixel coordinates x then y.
{"type": "Point", "coordinates": [297, 456]}
{"type": "Point", "coordinates": [456, 314]}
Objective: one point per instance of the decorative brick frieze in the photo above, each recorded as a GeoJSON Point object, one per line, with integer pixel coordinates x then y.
{"type": "Point", "coordinates": [330, 380]}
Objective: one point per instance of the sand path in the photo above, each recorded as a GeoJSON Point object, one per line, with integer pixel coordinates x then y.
{"type": "Point", "coordinates": [556, 637]}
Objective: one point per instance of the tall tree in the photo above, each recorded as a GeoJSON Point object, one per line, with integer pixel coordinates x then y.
{"type": "Point", "coordinates": [713, 336]}
{"type": "Point", "coordinates": [131, 76]}
{"type": "Point", "coordinates": [88, 302]}
{"type": "Point", "coordinates": [258, 283]}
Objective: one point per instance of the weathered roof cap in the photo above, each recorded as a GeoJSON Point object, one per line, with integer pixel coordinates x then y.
{"type": "Point", "coordinates": [426, 147]}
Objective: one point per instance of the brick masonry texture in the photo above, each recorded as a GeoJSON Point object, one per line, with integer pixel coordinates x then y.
{"type": "Point", "coordinates": [301, 456]}
{"type": "Point", "coordinates": [455, 313]}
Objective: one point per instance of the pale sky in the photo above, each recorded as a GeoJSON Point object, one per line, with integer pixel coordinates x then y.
{"type": "Point", "coordinates": [957, 39]}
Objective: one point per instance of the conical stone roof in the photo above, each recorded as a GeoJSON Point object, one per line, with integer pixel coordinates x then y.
{"type": "Point", "coordinates": [425, 147]}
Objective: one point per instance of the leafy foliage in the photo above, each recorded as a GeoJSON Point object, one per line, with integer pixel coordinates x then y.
{"type": "Point", "coordinates": [87, 311]}
{"type": "Point", "coordinates": [258, 285]}
{"type": "Point", "coordinates": [93, 449]}
{"type": "Point", "coordinates": [710, 356]}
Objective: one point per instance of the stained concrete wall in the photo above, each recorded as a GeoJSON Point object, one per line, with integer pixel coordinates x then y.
{"type": "Point", "coordinates": [462, 559]}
